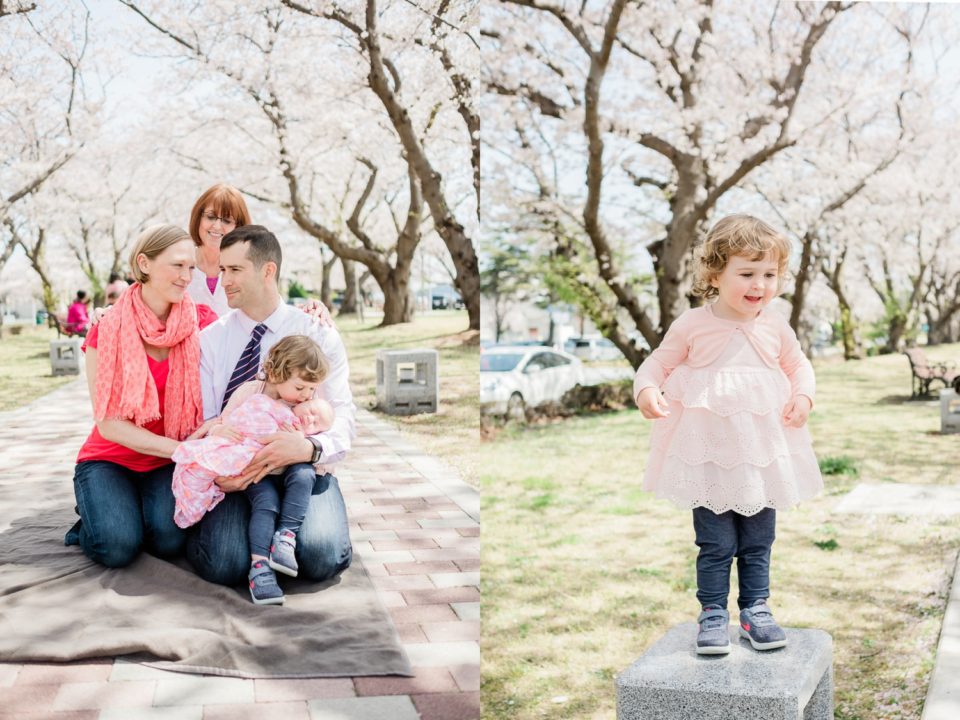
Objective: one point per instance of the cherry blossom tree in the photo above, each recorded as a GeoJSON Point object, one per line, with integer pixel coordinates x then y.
{"type": "Point", "coordinates": [669, 113]}
{"type": "Point", "coordinates": [45, 114]}
{"type": "Point", "coordinates": [339, 147]}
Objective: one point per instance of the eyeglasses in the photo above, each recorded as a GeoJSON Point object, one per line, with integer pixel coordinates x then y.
{"type": "Point", "coordinates": [211, 218]}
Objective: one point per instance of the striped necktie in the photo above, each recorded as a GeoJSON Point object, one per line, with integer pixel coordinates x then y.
{"type": "Point", "coordinates": [247, 365]}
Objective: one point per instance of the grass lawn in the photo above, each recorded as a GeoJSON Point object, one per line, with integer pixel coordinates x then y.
{"type": "Point", "coordinates": [582, 571]}
{"type": "Point", "coordinates": [453, 432]}
{"type": "Point", "coordinates": [25, 366]}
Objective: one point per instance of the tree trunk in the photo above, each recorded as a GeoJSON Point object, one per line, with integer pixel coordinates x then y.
{"type": "Point", "coordinates": [801, 282]}
{"type": "Point", "coordinates": [397, 305]}
{"type": "Point", "coordinates": [349, 304]}
{"type": "Point", "coordinates": [852, 349]}
{"type": "Point", "coordinates": [446, 224]}
{"type": "Point", "coordinates": [940, 329]}
{"type": "Point", "coordinates": [326, 292]}
{"type": "Point", "coordinates": [896, 330]}
{"type": "Point", "coordinates": [673, 259]}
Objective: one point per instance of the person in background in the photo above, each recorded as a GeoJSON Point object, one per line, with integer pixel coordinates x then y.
{"type": "Point", "coordinates": [115, 287]}
{"type": "Point", "coordinates": [78, 320]}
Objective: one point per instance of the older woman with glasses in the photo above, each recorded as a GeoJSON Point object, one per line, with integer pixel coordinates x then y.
{"type": "Point", "coordinates": [217, 211]}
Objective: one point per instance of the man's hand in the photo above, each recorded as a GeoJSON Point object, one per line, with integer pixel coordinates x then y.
{"type": "Point", "coordinates": [652, 404]}
{"type": "Point", "coordinates": [253, 473]}
{"type": "Point", "coordinates": [319, 312]}
{"type": "Point", "coordinates": [796, 411]}
{"type": "Point", "coordinates": [283, 448]}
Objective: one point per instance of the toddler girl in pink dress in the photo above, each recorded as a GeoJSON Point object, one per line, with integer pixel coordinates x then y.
{"type": "Point", "coordinates": [281, 400]}
{"type": "Point", "coordinates": [730, 440]}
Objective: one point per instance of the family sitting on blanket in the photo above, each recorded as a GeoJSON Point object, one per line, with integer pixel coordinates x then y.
{"type": "Point", "coordinates": [154, 378]}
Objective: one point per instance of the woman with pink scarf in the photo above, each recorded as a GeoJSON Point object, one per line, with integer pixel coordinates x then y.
{"type": "Point", "coordinates": [142, 365]}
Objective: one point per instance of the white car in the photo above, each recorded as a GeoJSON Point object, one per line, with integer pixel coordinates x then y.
{"type": "Point", "coordinates": [515, 377]}
{"type": "Point", "coordinates": [595, 348]}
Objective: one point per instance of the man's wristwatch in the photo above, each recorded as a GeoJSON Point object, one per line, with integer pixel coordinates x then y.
{"type": "Point", "coordinates": [317, 450]}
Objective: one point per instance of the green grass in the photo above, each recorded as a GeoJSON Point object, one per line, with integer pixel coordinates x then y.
{"type": "Point", "coordinates": [582, 571]}
{"type": "Point", "coordinates": [842, 465]}
{"type": "Point", "coordinates": [25, 366]}
{"type": "Point", "coordinates": [453, 432]}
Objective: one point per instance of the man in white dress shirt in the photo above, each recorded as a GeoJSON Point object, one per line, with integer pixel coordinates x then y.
{"type": "Point", "coordinates": [218, 548]}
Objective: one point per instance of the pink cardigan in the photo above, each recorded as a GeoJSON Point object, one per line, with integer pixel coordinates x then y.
{"type": "Point", "coordinates": [698, 337]}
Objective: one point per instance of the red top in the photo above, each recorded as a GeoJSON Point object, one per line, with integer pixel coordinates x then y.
{"type": "Point", "coordinates": [96, 447]}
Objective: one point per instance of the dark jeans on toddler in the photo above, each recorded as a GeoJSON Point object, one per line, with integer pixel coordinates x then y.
{"type": "Point", "coordinates": [217, 546]}
{"type": "Point", "coordinates": [720, 538]}
{"type": "Point", "coordinates": [294, 486]}
{"type": "Point", "coordinates": [122, 512]}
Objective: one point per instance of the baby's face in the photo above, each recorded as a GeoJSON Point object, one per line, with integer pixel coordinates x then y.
{"type": "Point", "coordinates": [309, 415]}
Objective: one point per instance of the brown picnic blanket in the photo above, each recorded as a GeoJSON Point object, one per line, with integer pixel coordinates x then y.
{"type": "Point", "coordinates": [56, 605]}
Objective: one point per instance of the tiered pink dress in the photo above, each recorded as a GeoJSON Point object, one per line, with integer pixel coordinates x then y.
{"type": "Point", "coordinates": [724, 445]}
{"type": "Point", "coordinates": [199, 462]}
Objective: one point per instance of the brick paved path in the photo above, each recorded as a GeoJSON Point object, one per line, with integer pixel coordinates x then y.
{"type": "Point", "coordinates": [414, 523]}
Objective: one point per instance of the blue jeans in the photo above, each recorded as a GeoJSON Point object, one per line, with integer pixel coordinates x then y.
{"type": "Point", "coordinates": [123, 511]}
{"type": "Point", "coordinates": [294, 486]}
{"type": "Point", "coordinates": [720, 538]}
{"type": "Point", "coordinates": [217, 547]}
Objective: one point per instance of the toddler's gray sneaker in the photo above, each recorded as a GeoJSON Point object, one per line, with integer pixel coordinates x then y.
{"type": "Point", "coordinates": [758, 626]}
{"type": "Point", "coordinates": [263, 585]}
{"type": "Point", "coordinates": [714, 635]}
{"type": "Point", "coordinates": [283, 553]}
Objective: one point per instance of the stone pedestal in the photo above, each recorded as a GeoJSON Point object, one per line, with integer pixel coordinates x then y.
{"type": "Point", "coordinates": [671, 682]}
{"type": "Point", "coordinates": [949, 411]}
{"type": "Point", "coordinates": [408, 381]}
{"type": "Point", "coordinates": [66, 358]}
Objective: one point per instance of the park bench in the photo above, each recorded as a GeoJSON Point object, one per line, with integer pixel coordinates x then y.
{"type": "Point", "coordinates": [924, 372]}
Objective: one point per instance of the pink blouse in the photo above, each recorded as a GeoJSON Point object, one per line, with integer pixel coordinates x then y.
{"type": "Point", "coordinates": [698, 336]}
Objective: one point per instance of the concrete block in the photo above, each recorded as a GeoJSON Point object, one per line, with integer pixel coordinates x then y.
{"type": "Point", "coordinates": [949, 411]}
{"type": "Point", "coordinates": [671, 682]}
{"type": "Point", "coordinates": [66, 357]}
{"type": "Point", "coordinates": [408, 381]}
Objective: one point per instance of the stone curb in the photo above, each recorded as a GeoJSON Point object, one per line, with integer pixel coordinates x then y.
{"type": "Point", "coordinates": [943, 695]}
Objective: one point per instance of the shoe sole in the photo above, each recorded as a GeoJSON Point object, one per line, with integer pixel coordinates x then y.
{"type": "Point", "coordinates": [268, 601]}
{"type": "Point", "coordinates": [773, 645]}
{"type": "Point", "coordinates": [713, 650]}
{"type": "Point", "coordinates": [283, 569]}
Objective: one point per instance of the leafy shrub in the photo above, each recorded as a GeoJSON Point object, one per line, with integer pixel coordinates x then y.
{"type": "Point", "coordinates": [841, 465]}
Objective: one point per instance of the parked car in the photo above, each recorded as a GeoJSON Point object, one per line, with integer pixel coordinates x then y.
{"type": "Point", "coordinates": [595, 348]}
{"type": "Point", "coordinates": [515, 377]}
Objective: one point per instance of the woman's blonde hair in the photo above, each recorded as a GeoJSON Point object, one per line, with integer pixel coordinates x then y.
{"type": "Point", "coordinates": [223, 200]}
{"type": "Point", "coordinates": [151, 242]}
{"type": "Point", "coordinates": [295, 354]}
{"type": "Point", "coordinates": [736, 235]}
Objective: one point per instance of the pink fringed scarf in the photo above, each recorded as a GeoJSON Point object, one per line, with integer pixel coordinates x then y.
{"type": "Point", "coordinates": [125, 387]}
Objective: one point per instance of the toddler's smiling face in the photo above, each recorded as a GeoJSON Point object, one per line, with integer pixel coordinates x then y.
{"type": "Point", "coordinates": [745, 287]}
